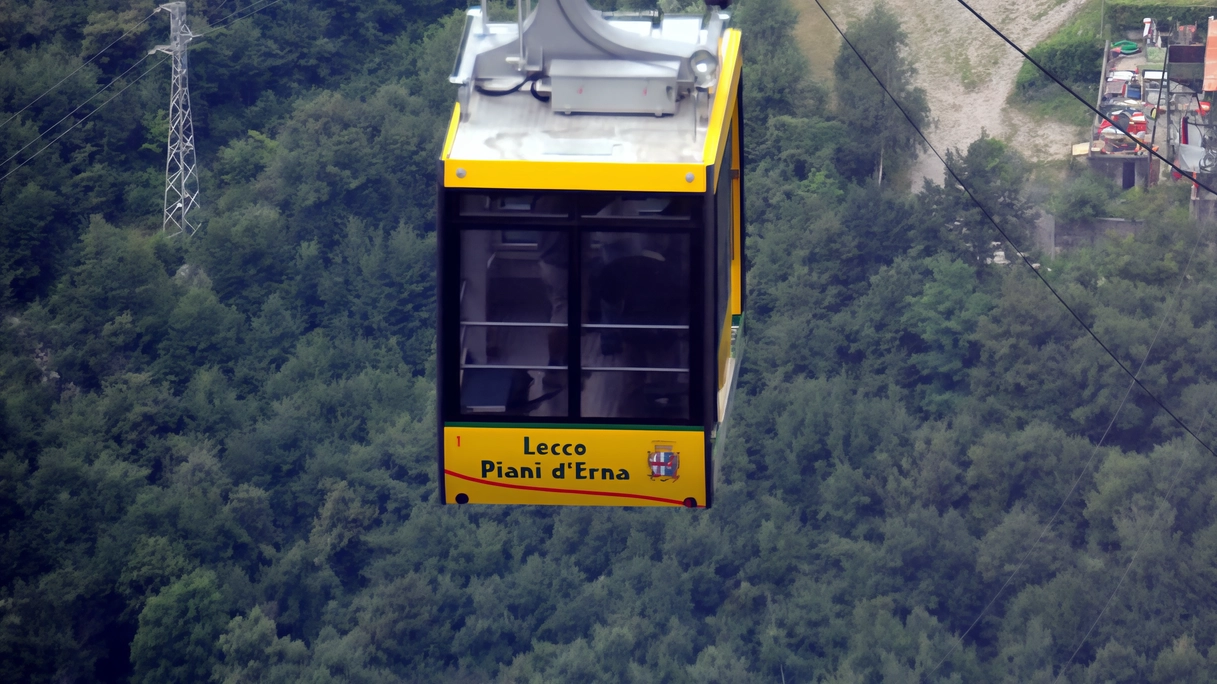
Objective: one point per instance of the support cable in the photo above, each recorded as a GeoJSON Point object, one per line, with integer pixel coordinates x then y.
{"type": "Point", "coordinates": [107, 86]}
{"type": "Point", "coordinates": [87, 63]}
{"type": "Point", "coordinates": [52, 126]}
{"type": "Point", "coordinates": [1089, 106]}
{"type": "Point", "coordinates": [222, 7]}
{"type": "Point", "coordinates": [221, 24]}
{"type": "Point", "coordinates": [82, 120]}
{"type": "Point", "coordinates": [1089, 462]}
{"type": "Point", "coordinates": [1183, 462]}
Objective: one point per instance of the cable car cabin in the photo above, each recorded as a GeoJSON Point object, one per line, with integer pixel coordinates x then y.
{"type": "Point", "coordinates": [591, 258]}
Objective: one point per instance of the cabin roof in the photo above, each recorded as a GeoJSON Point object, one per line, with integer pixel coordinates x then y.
{"type": "Point", "coordinates": [520, 127]}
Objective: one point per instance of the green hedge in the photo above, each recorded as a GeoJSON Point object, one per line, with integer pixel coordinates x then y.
{"type": "Point", "coordinates": [1073, 58]}
{"type": "Point", "coordinates": [1124, 17]}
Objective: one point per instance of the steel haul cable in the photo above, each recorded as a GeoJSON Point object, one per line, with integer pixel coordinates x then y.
{"type": "Point", "coordinates": [1081, 99]}
{"type": "Point", "coordinates": [1183, 462]}
{"type": "Point", "coordinates": [1133, 376]}
{"type": "Point", "coordinates": [1090, 461]}
{"type": "Point", "coordinates": [988, 215]}
{"type": "Point", "coordinates": [1136, 552]}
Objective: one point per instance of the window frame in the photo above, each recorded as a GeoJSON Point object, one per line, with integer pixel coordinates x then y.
{"type": "Point", "coordinates": [449, 276]}
{"type": "Point", "coordinates": [724, 235]}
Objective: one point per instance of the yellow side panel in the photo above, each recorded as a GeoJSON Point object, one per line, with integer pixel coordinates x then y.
{"type": "Point", "coordinates": [728, 86]}
{"type": "Point", "coordinates": [557, 175]}
{"type": "Point", "coordinates": [591, 467]}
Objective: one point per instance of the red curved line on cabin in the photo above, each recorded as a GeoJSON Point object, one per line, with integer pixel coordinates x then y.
{"type": "Point", "coordinates": [553, 490]}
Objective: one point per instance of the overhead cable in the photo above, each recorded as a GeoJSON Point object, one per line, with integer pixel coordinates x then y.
{"type": "Point", "coordinates": [52, 126]}
{"type": "Point", "coordinates": [105, 87]}
{"type": "Point", "coordinates": [1184, 461]}
{"type": "Point", "coordinates": [1137, 551]}
{"type": "Point", "coordinates": [1183, 277]}
{"type": "Point", "coordinates": [86, 63]}
{"type": "Point", "coordinates": [1133, 376]}
{"type": "Point", "coordinates": [222, 7]}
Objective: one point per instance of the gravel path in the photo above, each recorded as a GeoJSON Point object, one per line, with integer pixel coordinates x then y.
{"type": "Point", "coordinates": [966, 70]}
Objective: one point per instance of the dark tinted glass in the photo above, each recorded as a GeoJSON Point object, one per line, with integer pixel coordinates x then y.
{"type": "Point", "coordinates": [539, 205]}
{"type": "Point", "coordinates": [523, 267]}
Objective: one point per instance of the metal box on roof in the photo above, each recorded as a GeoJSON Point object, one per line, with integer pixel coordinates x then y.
{"type": "Point", "coordinates": [611, 86]}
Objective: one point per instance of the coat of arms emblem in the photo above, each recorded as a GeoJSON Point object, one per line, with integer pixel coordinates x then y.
{"type": "Point", "coordinates": [664, 463]}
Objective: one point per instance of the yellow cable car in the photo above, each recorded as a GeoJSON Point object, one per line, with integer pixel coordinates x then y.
{"type": "Point", "coordinates": [591, 258]}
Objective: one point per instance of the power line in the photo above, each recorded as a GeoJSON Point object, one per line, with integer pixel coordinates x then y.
{"type": "Point", "coordinates": [52, 126]}
{"type": "Point", "coordinates": [220, 23]}
{"type": "Point", "coordinates": [1089, 106]}
{"type": "Point", "coordinates": [82, 120]}
{"type": "Point", "coordinates": [105, 87]}
{"type": "Point", "coordinates": [90, 61]}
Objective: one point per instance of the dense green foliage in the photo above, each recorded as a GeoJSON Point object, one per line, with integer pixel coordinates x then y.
{"type": "Point", "coordinates": [217, 454]}
{"type": "Point", "coordinates": [1074, 54]}
{"type": "Point", "coordinates": [1084, 196]}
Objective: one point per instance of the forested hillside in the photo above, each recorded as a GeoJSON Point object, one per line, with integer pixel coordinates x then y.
{"type": "Point", "coordinates": [219, 451]}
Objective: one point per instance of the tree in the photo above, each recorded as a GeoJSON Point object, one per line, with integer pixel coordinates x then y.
{"type": "Point", "coordinates": [775, 68]}
{"type": "Point", "coordinates": [1083, 197]}
{"type": "Point", "coordinates": [200, 332]}
{"type": "Point", "coordinates": [1180, 663]}
{"type": "Point", "coordinates": [253, 652]}
{"type": "Point", "coordinates": [995, 174]}
{"type": "Point", "coordinates": [944, 316]}
{"type": "Point", "coordinates": [231, 474]}
{"type": "Point", "coordinates": [883, 137]}
{"type": "Point", "coordinates": [178, 628]}
{"type": "Point", "coordinates": [113, 308]}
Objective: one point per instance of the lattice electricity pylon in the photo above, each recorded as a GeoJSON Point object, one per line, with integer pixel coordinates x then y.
{"type": "Point", "coordinates": [181, 183]}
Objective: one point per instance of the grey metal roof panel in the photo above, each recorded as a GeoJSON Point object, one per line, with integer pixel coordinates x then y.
{"type": "Point", "coordinates": [520, 127]}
